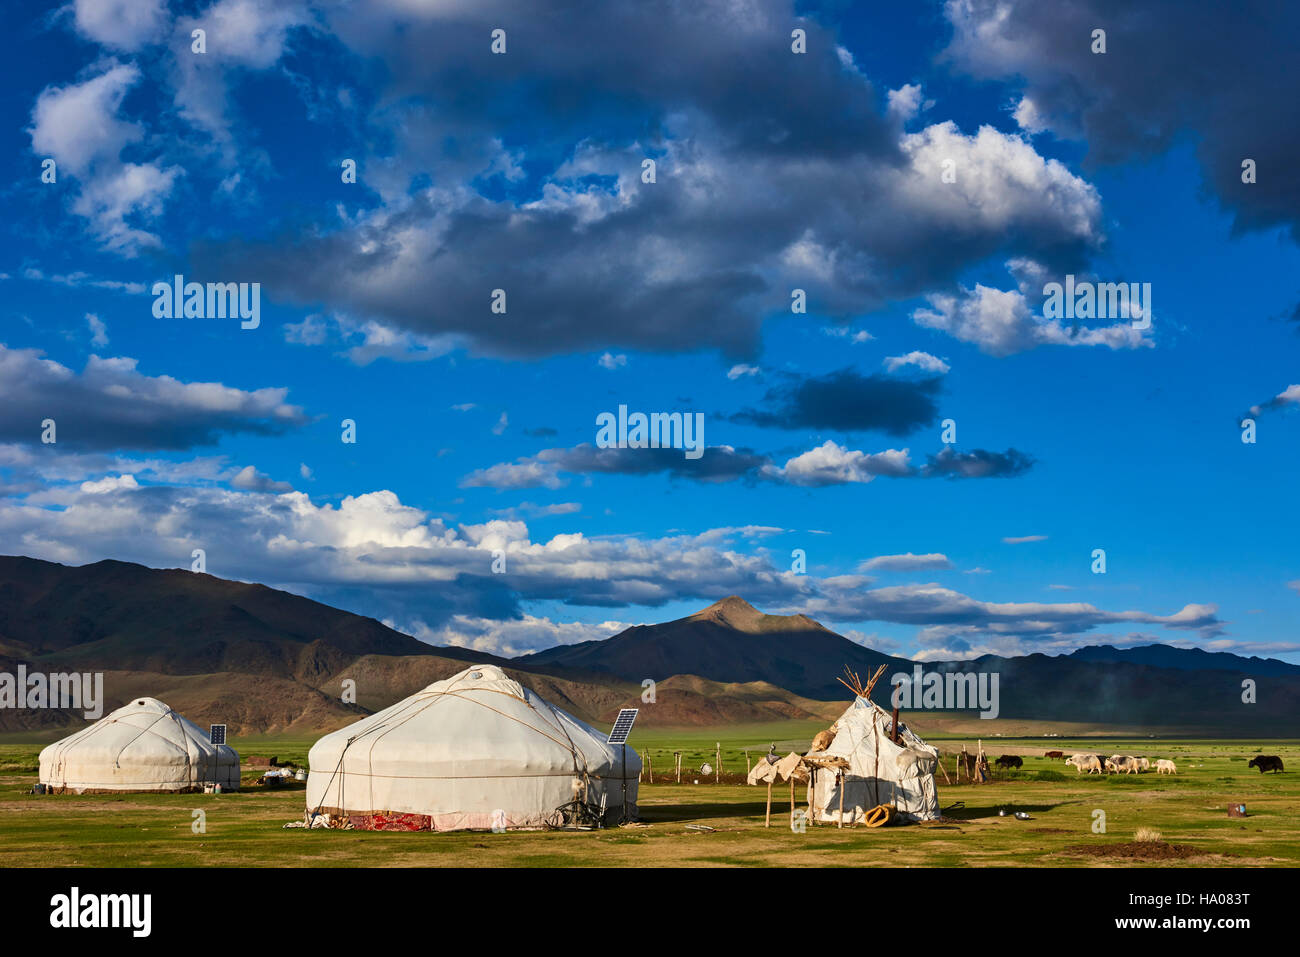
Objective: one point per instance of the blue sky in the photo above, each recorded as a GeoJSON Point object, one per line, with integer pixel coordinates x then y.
{"type": "Point", "coordinates": [821, 171]}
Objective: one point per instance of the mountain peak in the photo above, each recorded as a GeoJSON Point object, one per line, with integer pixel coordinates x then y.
{"type": "Point", "coordinates": [734, 612]}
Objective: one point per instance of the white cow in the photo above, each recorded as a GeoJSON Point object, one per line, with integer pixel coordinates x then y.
{"type": "Point", "coordinates": [1144, 764]}
{"type": "Point", "coordinates": [1166, 767]}
{"type": "Point", "coordinates": [1085, 762]}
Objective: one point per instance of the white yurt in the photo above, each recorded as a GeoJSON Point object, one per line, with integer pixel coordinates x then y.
{"type": "Point", "coordinates": [880, 771]}
{"type": "Point", "coordinates": [476, 750]}
{"type": "Point", "coordinates": [142, 746]}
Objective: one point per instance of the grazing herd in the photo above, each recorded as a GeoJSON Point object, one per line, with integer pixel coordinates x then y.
{"type": "Point", "coordinates": [1118, 764]}
{"type": "Point", "coordinates": [1127, 764]}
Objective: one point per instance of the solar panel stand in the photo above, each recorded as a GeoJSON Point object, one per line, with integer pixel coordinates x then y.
{"type": "Point", "coordinates": [618, 735]}
{"type": "Point", "coordinates": [624, 821]}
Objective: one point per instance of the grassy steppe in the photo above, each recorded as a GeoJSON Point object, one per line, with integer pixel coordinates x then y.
{"type": "Point", "coordinates": [246, 828]}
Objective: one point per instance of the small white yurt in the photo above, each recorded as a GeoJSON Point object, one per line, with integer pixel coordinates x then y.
{"type": "Point", "coordinates": [142, 746]}
{"type": "Point", "coordinates": [476, 750]}
{"type": "Point", "coordinates": [880, 771]}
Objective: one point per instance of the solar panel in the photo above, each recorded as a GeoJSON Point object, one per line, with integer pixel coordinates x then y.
{"type": "Point", "coordinates": [623, 726]}
{"type": "Point", "coordinates": [217, 735]}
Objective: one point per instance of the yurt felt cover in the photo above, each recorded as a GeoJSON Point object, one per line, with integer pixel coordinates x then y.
{"type": "Point", "coordinates": [142, 746]}
{"type": "Point", "coordinates": [880, 771]}
{"type": "Point", "coordinates": [475, 750]}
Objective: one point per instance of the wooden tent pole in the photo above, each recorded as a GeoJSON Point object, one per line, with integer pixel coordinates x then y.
{"type": "Point", "coordinates": [768, 820]}
{"type": "Point", "coordinates": [841, 779]}
{"type": "Point", "coordinates": [812, 796]}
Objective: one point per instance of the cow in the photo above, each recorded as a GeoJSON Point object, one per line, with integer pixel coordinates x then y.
{"type": "Point", "coordinates": [1144, 764]}
{"type": "Point", "coordinates": [1128, 764]}
{"type": "Point", "coordinates": [1085, 762]}
{"type": "Point", "coordinates": [1166, 767]}
{"type": "Point", "coordinates": [1266, 762]}
{"type": "Point", "coordinates": [1054, 754]}
{"type": "Point", "coordinates": [1009, 761]}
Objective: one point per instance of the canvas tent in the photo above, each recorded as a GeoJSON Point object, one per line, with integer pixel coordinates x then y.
{"type": "Point", "coordinates": [142, 746]}
{"type": "Point", "coordinates": [879, 772]}
{"type": "Point", "coordinates": [476, 750]}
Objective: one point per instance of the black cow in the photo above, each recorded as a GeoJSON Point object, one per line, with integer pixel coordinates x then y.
{"type": "Point", "coordinates": [1266, 762]}
{"type": "Point", "coordinates": [1009, 761]}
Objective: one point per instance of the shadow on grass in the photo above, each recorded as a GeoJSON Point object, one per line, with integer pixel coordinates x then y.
{"type": "Point", "coordinates": [670, 813]}
{"type": "Point", "coordinates": [975, 813]}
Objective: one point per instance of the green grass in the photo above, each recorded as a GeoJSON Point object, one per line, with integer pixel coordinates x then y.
{"type": "Point", "coordinates": [246, 828]}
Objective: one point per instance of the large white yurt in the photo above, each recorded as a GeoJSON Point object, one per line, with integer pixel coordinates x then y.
{"type": "Point", "coordinates": [880, 771]}
{"type": "Point", "coordinates": [476, 750]}
{"type": "Point", "coordinates": [142, 746]}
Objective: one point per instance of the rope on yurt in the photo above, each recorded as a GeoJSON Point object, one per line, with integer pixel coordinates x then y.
{"type": "Point", "coordinates": [578, 812]}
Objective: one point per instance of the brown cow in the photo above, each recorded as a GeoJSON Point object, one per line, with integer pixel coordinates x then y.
{"type": "Point", "coordinates": [1054, 754]}
{"type": "Point", "coordinates": [1266, 762]}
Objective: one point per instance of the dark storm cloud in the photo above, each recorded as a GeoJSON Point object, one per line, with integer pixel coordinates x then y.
{"type": "Point", "coordinates": [1221, 75]}
{"type": "Point", "coordinates": [846, 401]}
{"type": "Point", "coordinates": [775, 171]}
{"type": "Point", "coordinates": [543, 470]}
{"type": "Point", "coordinates": [111, 405]}
{"type": "Point", "coordinates": [977, 464]}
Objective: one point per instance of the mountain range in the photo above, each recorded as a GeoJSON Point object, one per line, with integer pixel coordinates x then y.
{"type": "Point", "coordinates": [266, 661]}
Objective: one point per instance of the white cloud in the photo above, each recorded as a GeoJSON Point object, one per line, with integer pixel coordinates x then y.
{"type": "Point", "coordinates": [905, 102]}
{"type": "Point", "coordinates": [841, 332]}
{"type": "Point", "coordinates": [78, 125]}
{"type": "Point", "coordinates": [906, 562]}
{"type": "Point", "coordinates": [1028, 118]}
{"type": "Point", "coordinates": [1288, 396]}
{"type": "Point", "coordinates": [126, 25]}
{"type": "Point", "coordinates": [736, 371]}
{"type": "Point", "coordinates": [249, 34]}
{"type": "Point", "coordinates": [312, 331]}
{"type": "Point", "coordinates": [1000, 323]}
{"type": "Point", "coordinates": [251, 480]}
{"type": "Point", "coordinates": [611, 362]}
{"type": "Point", "coordinates": [98, 331]}
{"type": "Point", "coordinates": [922, 360]}
{"type": "Point", "coordinates": [109, 484]}
{"type": "Point", "coordinates": [833, 464]}
{"type": "Point", "coordinates": [512, 637]}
